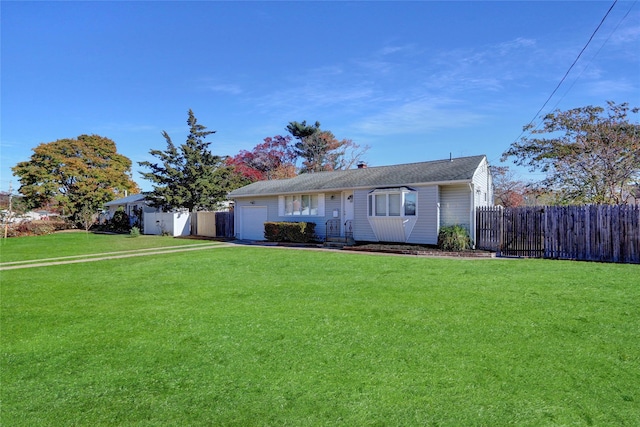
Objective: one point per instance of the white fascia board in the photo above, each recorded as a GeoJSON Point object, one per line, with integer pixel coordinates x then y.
{"type": "Point", "coordinates": [363, 187]}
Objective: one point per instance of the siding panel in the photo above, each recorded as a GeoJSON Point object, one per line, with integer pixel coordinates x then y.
{"type": "Point", "coordinates": [273, 211]}
{"type": "Point", "coordinates": [362, 230]}
{"type": "Point", "coordinates": [426, 229]}
{"type": "Point", "coordinates": [455, 205]}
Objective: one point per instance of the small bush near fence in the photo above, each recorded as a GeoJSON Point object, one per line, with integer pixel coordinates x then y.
{"type": "Point", "coordinates": [454, 238]}
{"type": "Point", "coordinates": [135, 232]}
{"type": "Point", "coordinates": [296, 232]}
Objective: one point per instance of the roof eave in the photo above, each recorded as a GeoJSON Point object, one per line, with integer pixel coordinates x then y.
{"type": "Point", "coordinates": [340, 189]}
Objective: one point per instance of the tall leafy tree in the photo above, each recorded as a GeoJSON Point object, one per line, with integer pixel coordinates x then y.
{"type": "Point", "coordinates": [78, 175]}
{"type": "Point", "coordinates": [590, 154]}
{"type": "Point", "coordinates": [274, 158]}
{"type": "Point", "coordinates": [508, 190]}
{"type": "Point", "coordinates": [188, 176]}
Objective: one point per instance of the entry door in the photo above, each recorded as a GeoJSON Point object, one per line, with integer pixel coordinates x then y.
{"type": "Point", "coordinates": [347, 213]}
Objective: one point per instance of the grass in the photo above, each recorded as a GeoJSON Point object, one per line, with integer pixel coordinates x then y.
{"type": "Point", "coordinates": [265, 336]}
{"type": "Point", "coordinates": [80, 243]}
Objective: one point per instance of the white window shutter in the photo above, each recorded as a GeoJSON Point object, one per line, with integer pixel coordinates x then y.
{"type": "Point", "coordinates": [281, 205]}
{"type": "Point", "coordinates": [321, 204]}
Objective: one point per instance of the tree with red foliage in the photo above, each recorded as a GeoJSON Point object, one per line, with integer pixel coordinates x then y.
{"type": "Point", "coordinates": [272, 159]}
{"type": "Point", "coordinates": [508, 190]}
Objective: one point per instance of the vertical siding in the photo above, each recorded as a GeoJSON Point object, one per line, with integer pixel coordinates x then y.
{"type": "Point", "coordinates": [455, 205]}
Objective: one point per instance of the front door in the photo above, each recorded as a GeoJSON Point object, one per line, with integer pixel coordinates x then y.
{"type": "Point", "coordinates": [347, 214]}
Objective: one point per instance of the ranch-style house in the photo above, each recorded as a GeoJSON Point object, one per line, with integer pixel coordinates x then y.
{"type": "Point", "coordinates": [405, 203]}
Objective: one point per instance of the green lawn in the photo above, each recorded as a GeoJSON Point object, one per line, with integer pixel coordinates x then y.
{"type": "Point", "coordinates": [80, 243]}
{"type": "Point", "coordinates": [265, 336]}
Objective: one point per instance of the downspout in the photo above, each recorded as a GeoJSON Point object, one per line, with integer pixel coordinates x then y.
{"type": "Point", "coordinates": [472, 216]}
{"type": "Point", "coordinates": [489, 187]}
{"type": "Point", "coordinates": [438, 220]}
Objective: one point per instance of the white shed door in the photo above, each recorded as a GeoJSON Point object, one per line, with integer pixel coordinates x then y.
{"type": "Point", "coordinates": [252, 221]}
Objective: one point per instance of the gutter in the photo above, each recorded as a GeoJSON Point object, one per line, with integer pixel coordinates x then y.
{"type": "Point", "coordinates": [362, 187]}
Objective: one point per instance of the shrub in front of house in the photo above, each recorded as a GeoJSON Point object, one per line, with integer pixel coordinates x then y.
{"type": "Point", "coordinates": [454, 238]}
{"type": "Point", "coordinates": [120, 222]}
{"type": "Point", "coordinates": [295, 232]}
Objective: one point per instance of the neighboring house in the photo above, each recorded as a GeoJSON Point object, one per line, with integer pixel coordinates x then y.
{"type": "Point", "coordinates": [401, 203]}
{"type": "Point", "coordinates": [130, 205]}
{"type": "Point", "coordinates": [29, 216]}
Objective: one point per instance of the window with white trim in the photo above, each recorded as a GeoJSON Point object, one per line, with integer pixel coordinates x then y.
{"type": "Point", "coordinates": [301, 205]}
{"type": "Point", "coordinates": [392, 202]}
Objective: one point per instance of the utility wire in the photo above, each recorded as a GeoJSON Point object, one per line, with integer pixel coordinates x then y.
{"type": "Point", "coordinates": [569, 70]}
{"type": "Point", "coordinates": [596, 54]}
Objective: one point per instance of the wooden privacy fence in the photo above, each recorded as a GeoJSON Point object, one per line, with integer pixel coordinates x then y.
{"type": "Point", "coordinates": [591, 232]}
{"type": "Point", "coordinates": [213, 224]}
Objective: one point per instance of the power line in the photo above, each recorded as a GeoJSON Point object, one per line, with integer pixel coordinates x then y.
{"type": "Point", "coordinates": [569, 70]}
{"type": "Point", "coordinates": [596, 54]}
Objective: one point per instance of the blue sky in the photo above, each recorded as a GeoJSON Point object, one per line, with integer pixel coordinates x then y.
{"type": "Point", "coordinates": [414, 81]}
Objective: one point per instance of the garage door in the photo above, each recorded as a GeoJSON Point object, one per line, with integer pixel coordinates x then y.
{"type": "Point", "coordinates": [252, 222]}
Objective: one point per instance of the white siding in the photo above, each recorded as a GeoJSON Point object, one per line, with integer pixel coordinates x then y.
{"type": "Point", "coordinates": [426, 229]}
{"type": "Point", "coordinates": [455, 205]}
{"type": "Point", "coordinates": [436, 206]}
{"type": "Point", "coordinates": [274, 211]}
{"type": "Point", "coordinates": [483, 186]}
{"type": "Point", "coordinates": [362, 230]}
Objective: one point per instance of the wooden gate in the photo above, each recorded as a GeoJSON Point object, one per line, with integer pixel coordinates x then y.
{"type": "Point", "coordinates": [489, 228]}
{"type": "Point", "coordinates": [522, 232]}
{"type": "Point", "coordinates": [214, 224]}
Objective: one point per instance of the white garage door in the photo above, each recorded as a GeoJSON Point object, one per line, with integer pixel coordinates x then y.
{"type": "Point", "coordinates": [252, 222]}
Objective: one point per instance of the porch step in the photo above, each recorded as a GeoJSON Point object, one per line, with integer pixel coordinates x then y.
{"type": "Point", "coordinates": [338, 242]}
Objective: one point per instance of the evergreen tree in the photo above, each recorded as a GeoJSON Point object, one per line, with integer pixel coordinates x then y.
{"type": "Point", "coordinates": [188, 176]}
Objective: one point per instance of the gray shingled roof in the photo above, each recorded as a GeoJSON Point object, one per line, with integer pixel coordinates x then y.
{"type": "Point", "coordinates": [129, 199]}
{"type": "Point", "coordinates": [457, 169]}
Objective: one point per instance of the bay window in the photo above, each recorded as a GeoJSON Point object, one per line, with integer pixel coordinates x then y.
{"type": "Point", "coordinates": [392, 202]}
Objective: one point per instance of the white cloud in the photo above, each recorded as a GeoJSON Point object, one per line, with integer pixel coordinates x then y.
{"type": "Point", "coordinates": [628, 31]}
{"type": "Point", "coordinates": [231, 89]}
{"type": "Point", "coordinates": [611, 89]}
{"type": "Point", "coordinates": [126, 127]}
{"type": "Point", "coordinates": [390, 50]}
{"type": "Point", "coordinates": [418, 116]}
